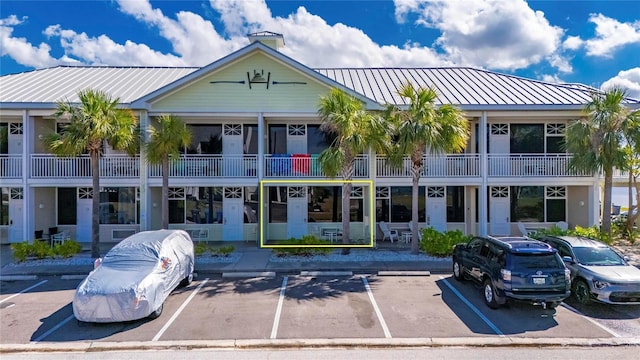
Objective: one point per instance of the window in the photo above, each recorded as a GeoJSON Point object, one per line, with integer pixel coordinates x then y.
{"type": "Point", "coordinates": [277, 204]}
{"type": "Point", "coordinates": [455, 204]}
{"type": "Point", "coordinates": [206, 139]}
{"type": "Point", "coordinates": [67, 206]}
{"type": "Point", "coordinates": [4, 206]}
{"type": "Point", "coordinates": [118, 205]}
{"type": "Point", "coordinates": [401, 204]}
{"type": "Point", "coordinates": [317, 141]}
{"type": "Point", "coordinates": [176, 205]}
{"type": "Point", "coordinates": [555, 138]}
{"type": "Point", "coordinates": [4, 138]}
{"type": "Point", "coordinates": [527, 203]}
{"type": "Point", "coordinates": [383, 196]}
{"type": "Point", "coordinates": [325, 203]}
{"type": "Point", "coordinates": [538, 203]}
{"type": "Point", "coordinates": [527, 138]}
{"type": "Point", "coordinates": [277, 139]}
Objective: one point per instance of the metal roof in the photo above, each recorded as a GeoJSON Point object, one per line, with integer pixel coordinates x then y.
{"type": "Point", "coordinates": [458, 86]}
{"type": "Point", "coordinates": [63, 83]}
{"type": "Point", "coordinates": [467, 87]}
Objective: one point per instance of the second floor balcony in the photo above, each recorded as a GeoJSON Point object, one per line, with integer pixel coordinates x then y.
{"type": "Point", "coordinates": [47, 166]}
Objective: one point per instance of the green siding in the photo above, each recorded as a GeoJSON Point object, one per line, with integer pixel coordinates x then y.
{"type": "Point", "coordinates": [202, 95]}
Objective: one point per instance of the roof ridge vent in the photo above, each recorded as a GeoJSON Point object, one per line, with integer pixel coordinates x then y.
{"type": "Point", "coordinates": [271, 39]}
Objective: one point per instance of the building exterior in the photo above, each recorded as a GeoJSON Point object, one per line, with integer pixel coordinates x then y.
{"type": "Point", "coordinates": [254, 117]}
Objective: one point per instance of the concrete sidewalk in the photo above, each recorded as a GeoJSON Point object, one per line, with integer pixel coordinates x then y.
{"type": "Point", "coordinates": [248, 258]}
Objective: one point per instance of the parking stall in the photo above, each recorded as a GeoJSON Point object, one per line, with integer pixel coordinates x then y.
{"type": "Point", "coordinates": [313, 307]}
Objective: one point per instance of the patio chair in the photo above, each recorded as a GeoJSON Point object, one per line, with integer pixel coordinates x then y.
{"type": "Point", "coordinates": [523, 229]}
{"type": "Point", "coordinates": [388, 233]}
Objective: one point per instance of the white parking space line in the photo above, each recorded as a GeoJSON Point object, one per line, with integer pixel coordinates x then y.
{"type": "Point", "coordinates": [387, 334]}
{"type": "Point", "coordinates": [180, 309]}
{"type": "Point", "coordinates": [50, 331]}
{"type": "Point", "coordinates": [571, 308]}
{"type": "Point", "coordinates": [473, 308]}
{"type": "Point", "coordinates": [23, 291]}
{"type": "Point", "coordinates": [276, 320]}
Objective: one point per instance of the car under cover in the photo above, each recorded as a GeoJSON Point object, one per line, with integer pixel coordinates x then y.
{"type": "Point", "coordinates": [135, 277]}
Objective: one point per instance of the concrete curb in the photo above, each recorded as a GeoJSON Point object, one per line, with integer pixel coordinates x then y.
{"type": "Point", "coordinates": [319, 343]}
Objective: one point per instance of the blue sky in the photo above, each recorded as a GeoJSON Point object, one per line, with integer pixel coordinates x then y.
{"type": "Point", "coordinates": [591, 42]}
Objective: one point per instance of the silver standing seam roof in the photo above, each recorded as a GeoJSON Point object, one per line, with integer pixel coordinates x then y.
{"type": "Point", "coordinates": [467, 87]}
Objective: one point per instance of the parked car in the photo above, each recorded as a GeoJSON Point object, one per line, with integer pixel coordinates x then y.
{"type": "Point", "coordinates": [513, 268]}
{"type": "Point", "coordinates": [598, 272]}
{"type": "Point", "coordinates": [135, 277]}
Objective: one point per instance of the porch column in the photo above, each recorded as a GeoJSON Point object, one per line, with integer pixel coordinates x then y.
{"type": "Point", "coordinates": [261, 134]}
{"type": "Point", "coordinates": [28, 211]}
{"type": "Point", "coordinates": [145, 198]}
{"type": "Point", "coordinates": [484, 173]}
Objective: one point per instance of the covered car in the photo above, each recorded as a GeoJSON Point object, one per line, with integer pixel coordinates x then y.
{"type": "Point", "coordinates": [135, 277]}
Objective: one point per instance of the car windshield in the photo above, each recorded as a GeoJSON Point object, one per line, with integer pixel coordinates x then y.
{"type": "Point", "coordinates": [523, 262]}
{"type": "Point", "coordinates": [597, 256]}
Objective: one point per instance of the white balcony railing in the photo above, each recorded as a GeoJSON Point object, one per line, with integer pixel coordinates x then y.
{"type": "Point", "coordinates": [209, 166]}
{"type": "Point", "coordinates": [306, 166]}
{"type": "Point", "coordinates": [10, 166]}
{"type": "Point", "coordinates": [531, 165]}
{"type": "Point", "coordinates": [51, 166]}
{"type": "Point", "coordinates": [458, 165]}
{"type": "Point", "coordinates": [44, 166]}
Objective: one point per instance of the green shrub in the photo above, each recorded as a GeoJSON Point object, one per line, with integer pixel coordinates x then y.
{"type": "Point", "coordinates": [307, 250]}
{"type": "Point", "coordinates": [41, 250]}
{"type": "Point", "coordinates": [436, 243]}
{"type": "Point", "coordinates": [67, 249]}
{"type": "Point", "coordinates": [200, 248]}
{"type": "Point", "coordinates": [593, 232]}
{"type": "Point", "coordinates": [224, 251]}
{"type": "Point", "coordinates": [21, 251]}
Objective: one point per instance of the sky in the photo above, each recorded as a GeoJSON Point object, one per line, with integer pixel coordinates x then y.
{"type": "Point", "coordinates": [596, 43]}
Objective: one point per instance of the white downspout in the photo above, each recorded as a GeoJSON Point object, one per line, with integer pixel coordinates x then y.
{"type": "Point", "coordinates": [484, 166]}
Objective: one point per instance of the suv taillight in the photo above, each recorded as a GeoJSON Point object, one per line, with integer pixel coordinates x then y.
{"type": "Point", "coordinates": [506, 274]}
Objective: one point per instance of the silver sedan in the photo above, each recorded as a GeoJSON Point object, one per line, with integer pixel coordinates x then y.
{"type": "Point", "coordinates": [598, 272]}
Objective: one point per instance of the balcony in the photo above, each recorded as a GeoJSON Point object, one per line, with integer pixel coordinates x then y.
{"type": "Point", "coordinates": [306, 166]}
{"type": "Point", "coordinates": [10, 166]}
{"type": "Point", "coordinates": [189, 166]}
{"type": "Point", "coordinates": [47, 166]}
{"type": "Point", "coordinates": [444, 166]}
{"type": "Point", "coordinates": [532, 165]}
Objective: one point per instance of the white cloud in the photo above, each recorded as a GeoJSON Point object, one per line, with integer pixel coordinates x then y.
{"type": "Point", "coordinates": [628, 79]}
{"type": "Point", "coordinates": [572, 43]}
{"type": "Point", "coordinates": [611, 35]}
{"type": "Point", "coordinates": [21, 50]}
{"type": "Point", "coordinates": [493, 34]}
{"type": "Point", "coordinates": [498, 35]}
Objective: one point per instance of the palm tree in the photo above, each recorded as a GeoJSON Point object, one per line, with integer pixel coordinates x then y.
{"type": "Point", "coordinates": [353, 130]}
{"type": "Point", "coordinates": [596, 141]}
{"type": "Point", "coordinates": [632, 151]}
{"type": "Point", "coordinates": [96, 120]}
{"type": "Point", "coordinates": [166, 137]}
{"type": "Point", "coordinates": [421, 126]}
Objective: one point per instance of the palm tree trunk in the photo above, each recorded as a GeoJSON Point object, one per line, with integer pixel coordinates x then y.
{"type": "Point", "coordinates": [606, 203]}
{"type": "Point", "coordinates": [415, 239]}
{"type": "Point", "coordinates": [95, 205]}
{"type": "Point", "coordinates": [165, 193]}
{"type": "Point", "coordinates": [347, 174]}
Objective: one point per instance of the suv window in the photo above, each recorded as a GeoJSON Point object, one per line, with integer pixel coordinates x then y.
{"type": "Point", "coordinates": [524, 262]}
{"type": "Point", "coordinates": [474, 245]}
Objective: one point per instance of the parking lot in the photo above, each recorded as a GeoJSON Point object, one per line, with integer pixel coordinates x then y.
{"type": "Point", "coordinates": [307, 307]}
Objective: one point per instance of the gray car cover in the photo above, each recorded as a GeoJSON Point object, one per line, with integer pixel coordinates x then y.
{"type": "Point", "coordinates": [135, 277]}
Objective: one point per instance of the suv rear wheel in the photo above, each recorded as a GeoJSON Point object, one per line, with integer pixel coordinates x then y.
{"type": "Point", "coordinates": [489, 294]}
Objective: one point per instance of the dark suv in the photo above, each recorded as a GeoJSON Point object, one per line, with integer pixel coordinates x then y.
{"type": "Point", "coordinates": [513, 268]}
